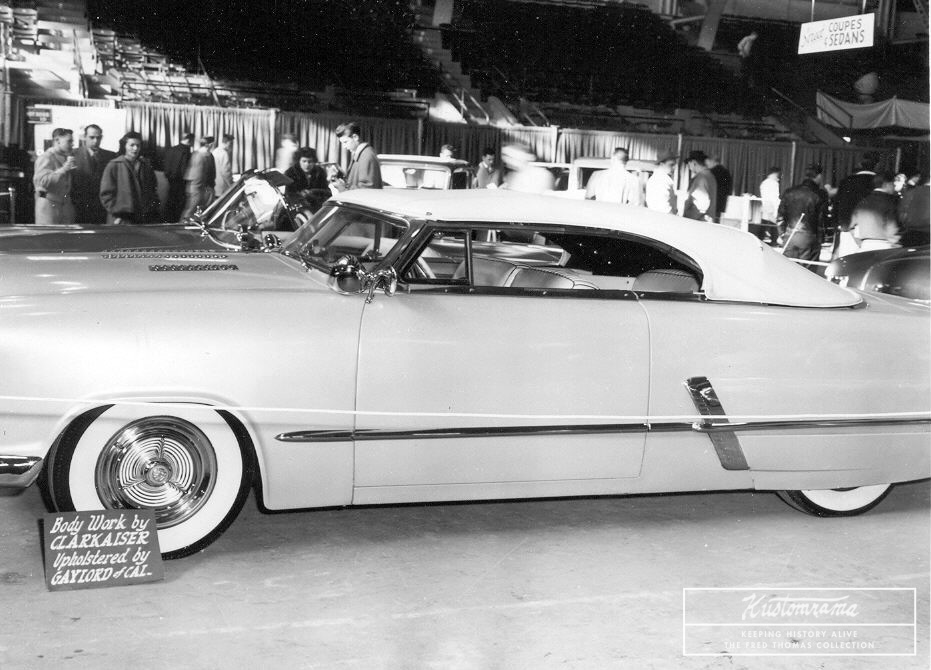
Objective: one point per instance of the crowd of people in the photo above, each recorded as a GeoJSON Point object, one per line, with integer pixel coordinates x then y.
{"type": "Point", "coordinates": [96, 186]}
{"type": "Point", "coordinates": [867, 210]}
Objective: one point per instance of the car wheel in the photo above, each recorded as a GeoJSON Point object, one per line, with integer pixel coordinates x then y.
{"type": "Point", "coordinates": [185, 464]}
{"type": "Point", "coordinates": [837, 502]}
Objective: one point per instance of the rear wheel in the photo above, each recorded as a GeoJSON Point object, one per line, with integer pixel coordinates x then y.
{"type": "Point", "coordinates": [837, 502]}
{"type": "Point", "coordinates": [185, 464]}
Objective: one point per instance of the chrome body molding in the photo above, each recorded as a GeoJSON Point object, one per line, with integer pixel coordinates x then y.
{"type": "Point", "coordinates": [19, 472]}
{"type": "Point", "coordinates": [708, 427]}
{"type": "Point", "coordinates": [725, 441]}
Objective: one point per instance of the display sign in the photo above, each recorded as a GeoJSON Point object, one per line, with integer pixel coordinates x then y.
{"type": "Point", "coordinates": [87, 550]}
{"type": "Point", "coordinates": [38, 115]}
{"type": "Point", "coordinates": [847, 32]}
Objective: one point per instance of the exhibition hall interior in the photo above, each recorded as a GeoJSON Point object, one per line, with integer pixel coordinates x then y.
{"type": "Point", "coordinates": [465, 334]}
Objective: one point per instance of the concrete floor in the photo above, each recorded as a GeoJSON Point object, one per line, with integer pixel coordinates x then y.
{"type": "Point", "coordinates": [584, 583]}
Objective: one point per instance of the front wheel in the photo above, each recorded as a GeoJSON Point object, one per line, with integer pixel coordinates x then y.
{"type": "Point", "coordinates": [837, 502]}
{"type": "Point", "coordinates": [186, 464]}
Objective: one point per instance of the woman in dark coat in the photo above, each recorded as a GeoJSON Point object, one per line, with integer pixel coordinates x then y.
{"type": "Point", "coordinates": [128, 189]}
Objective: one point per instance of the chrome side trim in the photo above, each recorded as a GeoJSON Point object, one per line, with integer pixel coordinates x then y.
{"type": "Point", "coordinates": [706, 427]}
{"type": "Point", "coordinates": [19, 472]}
{"type": "Point", "coordinates": [722, 435]}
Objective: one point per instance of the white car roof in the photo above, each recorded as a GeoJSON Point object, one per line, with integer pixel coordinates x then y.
{"type": "Point", "coordinates": [423, 160]}
{"type": "Point", "coordinates": [735, 264]}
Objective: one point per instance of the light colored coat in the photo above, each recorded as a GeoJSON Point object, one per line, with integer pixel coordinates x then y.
{"type": "Point", "coordinates": [53, 189]}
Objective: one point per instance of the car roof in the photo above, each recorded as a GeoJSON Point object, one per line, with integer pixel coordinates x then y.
{"type": "Point", "coordinates": [602, 163]}
{"type": "Point", "coordinates": [428, 160]}
{"type": "Point", "coordinates": [735, 264]}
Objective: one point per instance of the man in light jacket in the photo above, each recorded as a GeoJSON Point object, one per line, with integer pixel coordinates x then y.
{"type": "Point", "coordinates": [52, 180]}
{"type": "Point", "coordinates": [223, 160]}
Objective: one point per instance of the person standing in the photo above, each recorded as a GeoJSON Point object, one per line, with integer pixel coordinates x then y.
{"type": "Point", "coordinates": [801, 211]}
{"type": "Point", "coordinates": [200, 177]}
{"type": "Point", "coordinates": [702, 198]}
{"type": "Point", "coordinates": [284, 155]}
{"type": "Point", "coordinates": [177, 159]}
{"type": "Point", "coordinates": [724, 180]}
{"type": "Point", "coordinates": [615, 184]}
{"type": "Point", "coordinates": [128, 190]}
{"type": "Point", "coordinates": [769, 208]}
{"type": "Point", "coordinates": [852, 189]}
{"type": "Point", "coordinates": [52, 180]}
{"type": "Point", "coordinates": [487, 174]}
{"type": "Point", "coordinates": [223, 162]}
{"type": "Point", "coordinates": [875, 220]}
{"type": "Point", "coordinates": [90, 161]}
{"type": "Point", "coordinates": [364, 168]}
{"type": "Point", "coordinates": [661, 190]}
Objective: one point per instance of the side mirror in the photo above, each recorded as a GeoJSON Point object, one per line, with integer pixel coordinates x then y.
{"type": "Point", "coordinates": [347, 276]}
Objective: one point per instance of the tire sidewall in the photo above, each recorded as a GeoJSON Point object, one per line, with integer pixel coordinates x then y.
{"type": "Point", "coordinates": [75, 475]}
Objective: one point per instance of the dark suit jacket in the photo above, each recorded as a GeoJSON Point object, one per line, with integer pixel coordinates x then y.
{"type": "Point", "coordinates": [176, 162]}
{"type": "Point", "coordinates": [851, 191]}
{"type": "Point", "coordinates": [85, 185]}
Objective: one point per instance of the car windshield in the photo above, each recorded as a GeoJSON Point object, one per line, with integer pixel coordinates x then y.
{"type": "Point", "coordinates": [335, 232]}
{"type": "Point", "coordinates": [255, 204]}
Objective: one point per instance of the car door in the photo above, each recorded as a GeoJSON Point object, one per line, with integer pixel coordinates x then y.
{"type": "Point", "coordinates": [473, 386]}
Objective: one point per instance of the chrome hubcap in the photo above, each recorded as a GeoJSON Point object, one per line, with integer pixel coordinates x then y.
{"type": "Point", "coordinates": [161, 463]}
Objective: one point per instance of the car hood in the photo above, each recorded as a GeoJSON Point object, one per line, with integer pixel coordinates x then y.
{"type": "Point", "coordinates": [149, 271]}
{"type": "Point", "coordinates": [76, 238]}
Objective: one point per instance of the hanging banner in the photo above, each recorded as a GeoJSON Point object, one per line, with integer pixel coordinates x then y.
{"type": "Point", "coordinates": [847, 32]}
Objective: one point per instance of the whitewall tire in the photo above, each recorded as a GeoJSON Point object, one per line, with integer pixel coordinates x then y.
{"type": "Point", "coordinates": [185, 463]}
{"type": "Point", "coordinates": [837, 502]}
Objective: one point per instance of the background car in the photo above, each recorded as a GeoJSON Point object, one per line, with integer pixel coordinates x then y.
{"type": "Point", "coordinates": [901, 271]}
{"type": "Point", "coordinates": [454, 346]}
{"type": "Point", "coordinates": [427, 172]}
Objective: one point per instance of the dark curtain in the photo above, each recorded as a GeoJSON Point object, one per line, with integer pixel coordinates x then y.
{"type": "Point", "coordinates": [747, 160]}
{"type": "Point", "coordinates": [572, 144]}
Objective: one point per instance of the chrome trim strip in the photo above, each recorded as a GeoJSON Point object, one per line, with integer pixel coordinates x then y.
{"type": "Point", "coordinates": [19, 472]}
{"type": "Point", "coordinates": [724, 440]}
{"type": "Point", "coordinates": [706, 427]}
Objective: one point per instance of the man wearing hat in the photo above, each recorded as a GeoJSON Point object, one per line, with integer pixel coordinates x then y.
{"type": "Point", "coordinates": [701, 201]}
{"type": "Point", "coordinates": [661, 190]}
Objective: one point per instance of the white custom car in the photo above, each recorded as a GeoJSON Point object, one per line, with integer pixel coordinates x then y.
{"type": "Point", "coordinates": [441, 346]}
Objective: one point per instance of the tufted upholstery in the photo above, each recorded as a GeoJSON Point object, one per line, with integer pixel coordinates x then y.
{"type": "Point", "coordinates": [488, 272]}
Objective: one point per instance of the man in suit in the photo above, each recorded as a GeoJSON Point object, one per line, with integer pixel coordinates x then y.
{"type": "Point", "coordinates": [364, 168]}
{"type": "Point", "coordinates": [90, 161]}
{"type": "Point", "coordinates": [176, 163]}
{"type": "Point", "coordinates": [853, 189]}
{"type": "Point", "coordinates": [200, 178]}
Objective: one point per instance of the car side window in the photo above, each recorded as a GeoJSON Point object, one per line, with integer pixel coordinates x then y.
{"type": "Point", "coordinates": [528, 259]}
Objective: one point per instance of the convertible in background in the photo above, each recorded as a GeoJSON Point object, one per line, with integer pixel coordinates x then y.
{"type": "Point", "coordinates": [454, 346]}
{"type": "Point", "coordinates": [239, 219]}
{"type": "Point", "coordinates": [902, 271]}
{"type": "Point", "coordinates": [427, 172]}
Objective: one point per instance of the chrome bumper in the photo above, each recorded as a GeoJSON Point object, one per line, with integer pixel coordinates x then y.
{"type": "Point", "coordinates": [19, 472]}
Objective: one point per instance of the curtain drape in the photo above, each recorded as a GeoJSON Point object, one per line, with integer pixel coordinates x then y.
{"type": "Point", "coordinates": [387, 136]}
{"type": "Point", "coordinates": [572, 144]}
{"type": "Point", "coordinates": [469, 141]}
{"type": "Point", "coordinates": [163, 124]}
{"type": "Point", "coordinates": [891, 112]}
{"type": "Point", "coordinates": [19, 129]}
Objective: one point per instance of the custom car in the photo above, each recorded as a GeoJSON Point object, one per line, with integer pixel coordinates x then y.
{"type": "Point", "coordinates": [238, 219]}
{"type": "Point", "coordinates": [426, 172]}
{"type": "Point", "coordinates": [454, 346]}
{"type": "Point", "coordinates": [904, 271]}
